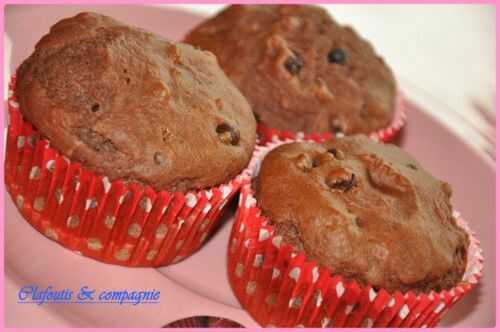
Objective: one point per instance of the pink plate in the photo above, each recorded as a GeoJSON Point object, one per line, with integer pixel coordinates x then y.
{"type": "Point", "coordinates": [198, 285]}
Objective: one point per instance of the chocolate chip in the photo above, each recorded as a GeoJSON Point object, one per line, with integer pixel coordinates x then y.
{"type": "Point", "coordinates": [127, 80]}
{"type": "Point", "coordinates": [166, 135]}
{"type": "Point", "coordinates": [337, 55]}
{"type": "Point", "coordinates": [159, 159]}
{"type": "Point", "coordinates": [294, 63]}
{"type": "Point", "coordinates": [304, 162]}
{"type": "Point", "coordinates": [336, 128]}
{"type": "Point", "coordinates": [322, 158]}
{"type": "Point", "coordinates": [227, 134]}
{"type": "Point", "coordinates": [95, 107]}
{"type": "Point", "coordinates": [341, 180]}
{"type": "Point", "coordinates": [336, 153]}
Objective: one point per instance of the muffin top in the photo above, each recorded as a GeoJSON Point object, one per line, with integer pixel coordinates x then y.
{"type": "Point", "coordinates": [368, 211]}
{"type": "Point", "coordinates": [299, 69]}
{"type": "Point", "coordinates": [131, 105]}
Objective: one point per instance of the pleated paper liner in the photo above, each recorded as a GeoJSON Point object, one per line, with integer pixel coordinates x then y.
{"type": "Point", "coordinates": [282, 288]}
{"type": "Point", "coordinates": [114, 222]}
{"type": "Point", "coordinates": [267, 134]}
{"type": "Point", "coordinates": [204, 321]}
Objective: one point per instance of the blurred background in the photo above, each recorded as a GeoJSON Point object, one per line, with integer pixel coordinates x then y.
{"type": "Point", "coordinates": [446, 52]}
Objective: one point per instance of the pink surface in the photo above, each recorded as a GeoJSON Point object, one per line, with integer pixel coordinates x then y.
{"type": "Point", "coordinates": [198, 285]}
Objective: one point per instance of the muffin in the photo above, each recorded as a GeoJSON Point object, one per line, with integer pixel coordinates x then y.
{"type": "Point", "coordinates": [130, 116]}
{"type": "Point", "coordinates": [373, 213]}
{"type": "Point", "coordinates": [348, 232]}
{"type": "Point", "coordinates": [300, 70]}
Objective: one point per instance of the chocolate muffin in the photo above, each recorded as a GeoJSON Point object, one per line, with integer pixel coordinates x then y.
{"type": "Point", "coordinates": [132, 105]}
{"type": "Point", "coordinates": [299, 69]}
{"type": "Point", "coordinates": [366, 210]}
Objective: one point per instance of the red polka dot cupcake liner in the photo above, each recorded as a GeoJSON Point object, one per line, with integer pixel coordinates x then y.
{"type": "Point", "coordinates": [281, 287]}
{"type": "Point", "coordinates": [204, 321]}
{"type": "Point", "coordinates": [385, 135]}
{"type": "Point", "coordinates": [111, 221]}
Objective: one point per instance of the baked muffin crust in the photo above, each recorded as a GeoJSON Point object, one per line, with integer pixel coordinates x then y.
{"type": "Point", "coordinates": [134, 106]}
{"type": "Point", "coordinates": [368, 211]}
{"type": "Point", "coordinates": [299, 69]}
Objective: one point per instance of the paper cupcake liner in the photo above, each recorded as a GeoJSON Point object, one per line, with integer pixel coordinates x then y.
{"type": "Point", "coordinates": [204, 321]}
{"type": "Point", "coordinates": [111, 221]}
{"type": "Point", "coordinates": [282, 288]}
{"type": "Point", "coordinates": [267, 134]}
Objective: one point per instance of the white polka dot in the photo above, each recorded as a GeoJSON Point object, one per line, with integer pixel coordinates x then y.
{"type": "Point", "coordinates": [106, 184]}
{"type": "Point", "coordinates": [295, 302]}
{"type": "Point", "coordinates": [34, 173]}
{"type": "Point", "coordinates": [251, 287]}
{"type": "Point", "coordinates": [263, 234]}
{"type": "Point", "coordinates": [348, 309]}
{"type": "Point", "coordinates": [19, 201]}
{"type": "Point", "coordinates": [209, 194]}
{"type": "Point", "coordinates": [315, 274]}
{"type": "Point", "coordinates": [207, 208]}
{"type": "Point", "coordinates": [258, 260]}
{"type": "Point", "coordinates": [372, 295]}
{"type": "Point", "coordinates": [295, 273]}
{"type": "Point", "coordinates": [404, 312]}
{"type": "Point", "coordinates": [250, 202]}
{"type": "Point", "coordinates": [319, 299]}
{"type": "Point", "coordinates": [276, 273]}
{"type": "Point", "coordinates": [439, 307]}
{"type": "Point", "coordinates": [191, 200]}
{"type": "Point", "coordinates": [13, 103]}
{"type": "Point", "coordinates": [21, 140]}
{"type": "Point", "coordinates": [239, 270]}
{"type": "Point", "coordinates": [226, 190]}
{"type": "Point", "coordinates": [146, 204]}
{"type": "Point", "coordinates": [339, 288]}
{"type": "Point", "coordinates": [90, 203]}
{"type": "Point", "coordinates": [325, 321]}
{"type": "Point", "coordinates": [51, 164]}
{"type": "Point", "coordinates": [122, 198]}
{"type": "Point", "coordinates": [277, 241]}
{"type": "Point", "coordinates": [391, 302]}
